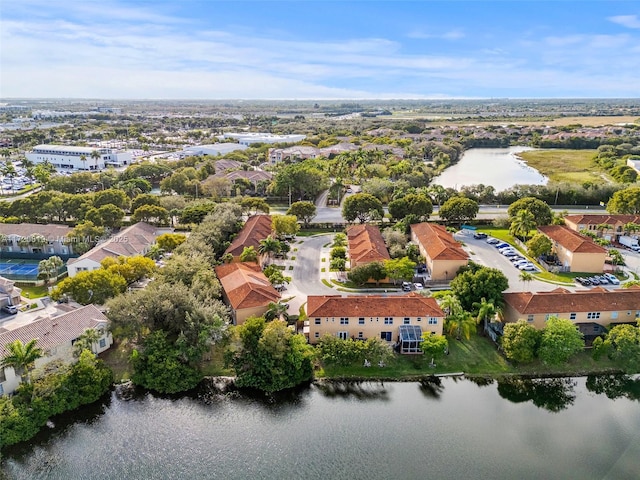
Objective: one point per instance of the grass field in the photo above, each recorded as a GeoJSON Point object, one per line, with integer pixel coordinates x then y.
{"type": "Point", "coordinates": [31, 291]}
{"type": "Point", "coordinates": [553, 122]}
{"type": "Point", "coordinates": [572, 166]}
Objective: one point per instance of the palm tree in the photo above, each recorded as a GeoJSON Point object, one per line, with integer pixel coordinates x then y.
{"type": "Point", "coordinates": [522, 224]}
{"type": "Point", "coordinates": [460, 324]}
{"type": "Point", "coordinates": [86, 341]}
{"type": "Point", "coordinates": [486, 311]}
{"type": "Point", "coordinates": [22, 357]}
{"type": "Point", "coordinates": [48, 269]}
{"type": "Point", "coordinates": [276, 310]}
{"type": "Point", "coordinates": [451, 305]}
{"type": "Point", "coordinates": [96, 156]}
{"type": "Point", "coordinates": [269, 246]}
{"type": "Point", "coordinates": [526, 277]}
{"type": "Point", "coordinates": [83, 159]}
{"type": "Point", "coordinates": [249, 254]}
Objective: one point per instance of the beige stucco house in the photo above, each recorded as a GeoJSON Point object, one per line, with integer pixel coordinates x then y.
{"type": "Point", "coordinates": [246, 290]}
{"type": "Point", "coordinates": [374, 316]}
{"type": "Point", "coordinates": [366, 245]}
{"type": "Point", "coordinates": [576, 252]}
{"type": "Point", "coordinates": [443, 254]}
{"type": "Point", "coordinates": [597, 305]}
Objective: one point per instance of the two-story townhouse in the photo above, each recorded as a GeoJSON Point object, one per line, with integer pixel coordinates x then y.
{"type": "Point", "coordinates": [443, 254]}
{"type": "Point", "coordinates": [576, 252]}
{"type": "Point", "coordinates": [399, 320]}
{"type": "Point", "coordinates": [365, 245]}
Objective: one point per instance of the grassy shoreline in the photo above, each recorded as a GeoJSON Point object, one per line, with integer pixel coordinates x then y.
{"type": "Point", "coordinates": [570, 166]}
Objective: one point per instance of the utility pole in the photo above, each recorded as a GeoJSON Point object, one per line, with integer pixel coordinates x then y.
{"type": "Point", "coordinates": [289, 195]}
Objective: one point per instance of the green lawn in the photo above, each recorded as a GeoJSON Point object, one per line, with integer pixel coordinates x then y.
{"type": "Point", "coordinates": [117, 358]}
{"type": "Point", "coordinates": [30, 291]}
{"type": "Point", "coordinates": [572, 166]}
{"type": "Point", "coordinates": [476, 356]}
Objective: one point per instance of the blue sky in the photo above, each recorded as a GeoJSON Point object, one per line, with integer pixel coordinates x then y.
{"type": "Point", "coordinates": [214, 49]}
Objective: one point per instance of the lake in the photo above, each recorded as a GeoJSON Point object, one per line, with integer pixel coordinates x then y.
{"type": "Point", "coordinates": [452, 429]}
{"type": "Point", "coordinates": [498, 167]}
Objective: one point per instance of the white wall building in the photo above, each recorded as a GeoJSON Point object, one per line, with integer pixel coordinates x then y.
{"type": "Point", "coordinates": [214, 149]}
{"type": "Point", "coordinates": [635, 164]}
{"type": "Point", "coordinates": [65, 157]}
{"type": "Point", "coordinates": [247, 138]}
{"type": "Point", "coordinates": [56, 335]}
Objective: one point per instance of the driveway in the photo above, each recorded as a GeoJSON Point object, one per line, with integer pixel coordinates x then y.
{"type": "Point", "coordinates": [485, 254]}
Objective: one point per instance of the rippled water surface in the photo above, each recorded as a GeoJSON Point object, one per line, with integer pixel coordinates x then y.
{"type": "Point", "coordinates": [455, 430]}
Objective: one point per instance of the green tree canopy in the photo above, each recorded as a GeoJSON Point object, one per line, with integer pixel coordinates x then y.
{"type": "Point", "coordinates": [22, 357]}
{"type": "Point", "coordinates": [304, 211]}
{"type": "Point", "coordinates": [625, 201]}
{"type": "Point", "coordinates": [520, 341]}
{"type": "Point", "coordinates": [624, 346]}
{"type": "Point", "coordinates": [95, 286]}
{"type": "Point", "coordinates": [458, 210]}
{"type": "Point", "coordinates": [399, 269]}
{"type": "Point", "coordinates": [560, 341]}
{"type": "Point", "coordinates": [434, 345]}
{"type": "Point", "coordinates": [475, 281]}
{"type": "Point", "coordinates": [359, 207]}
{"type": "Point", "coordinates": [539, 245]}
{"type": "Point", "coordinates": [284, 225]}
{"type": "Point", "coordinates": [269, 357]}
{"type": "Point", "coordinates": [540, 210]}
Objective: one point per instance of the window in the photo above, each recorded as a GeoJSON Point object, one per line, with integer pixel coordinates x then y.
{"type": "Point", "coordinates": [2, 375]}
{"type": "Point", "coordinates": [317, 321]}
{"type": "Point", "coordinates": [360, 335]}
{"type": "Point", "coordinates": [549, 315]}
{"type": "Point", "coordinates": [317, 335]}
{"type": "Point", "coordinates": [614, 314]}
{"type": "Point", "coordinates": [529, 318]}
{"type": "Point", "coordinates": [344, 321]}
{"type": "Point", "coordinates": [419, 319]}
{"type": "Point", "coordinates": [593, 315]}
{"type": "Point", "coordinates": [406, 321]}
{"type": "Point", "coordinates": [361, 321]}
{"type": "Point", "coordinates": [343, 335]}
{"type": "Point", "coordinates": [433, 320]}
{"type": "Point", "coordinates": [572, 316]}
{"type": "Point", "coordinates": [103, 343]}
{"type": "Point", "coordinates": [388, 320]}
{"type": "Point", "coordinates": [385, 336]}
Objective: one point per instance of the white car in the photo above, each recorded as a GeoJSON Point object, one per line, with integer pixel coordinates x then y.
{"type": "Point", "coordinates": [612, 279]}
{"type": "Point", "coordinates": [418, 286]}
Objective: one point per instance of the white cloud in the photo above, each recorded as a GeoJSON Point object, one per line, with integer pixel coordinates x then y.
{"type": "Point", "coordinates": [629, 21]}
{"type": "Point", "coordinates": [454, 34]}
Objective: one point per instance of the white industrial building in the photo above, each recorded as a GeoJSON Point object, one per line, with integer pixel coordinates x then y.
{"type": "Point", "coordinates": [66, 158]}
{"type": "Point", "coordinates": [247, 138]}
{"type": "Point", "coordinates": [214, 149]}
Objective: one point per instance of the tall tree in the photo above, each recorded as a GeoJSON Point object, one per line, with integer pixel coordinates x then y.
{"type": "Point", "coordinates": [48, 268]}
{"type": "Point", "coordinates": [520, 341]}
{"type": "Point", "coordinates": [304, 211]}
{"type": "Point", "coordinates": [540, 210]}
{"type": "Point", "coordinates": [522, 223]}
{"type": "Point", "coordinates": [560, 340]}
{"type": "Point", "coordinates": [359, 207]}
{"type": "Point", "coordinates": [458, 210]}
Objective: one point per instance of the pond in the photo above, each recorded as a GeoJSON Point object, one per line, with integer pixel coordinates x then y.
{"type": "Point", "coordinates": [583, 428]}
{"type": "Point", "coordinates": [498, 167]}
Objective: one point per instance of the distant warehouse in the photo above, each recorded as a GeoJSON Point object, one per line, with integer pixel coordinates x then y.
{"type": "Point", "coordinates": [66, 157]}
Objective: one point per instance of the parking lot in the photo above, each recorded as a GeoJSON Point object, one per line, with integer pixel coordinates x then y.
{"type": "Point", "coordinates": [486, 254]}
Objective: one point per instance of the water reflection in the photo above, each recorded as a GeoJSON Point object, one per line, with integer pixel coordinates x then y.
{"type": "Point", "coordinates": [552, 394]}
{"type": "Point", "coordinates": [357, 390]}
{"type": "Point", "coordinates": [432, 387]}
{"type": "Point", "coordinates": [615, 386]}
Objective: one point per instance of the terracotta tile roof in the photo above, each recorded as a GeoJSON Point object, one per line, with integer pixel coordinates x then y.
{"type": "Point", "coordinates": [366, 245]}
{"type": "Point", "coordinates": [439, 244]}
{"type": "Point", "coordinates": [411, 305]}
{"type": "Point", "coordinates": [52, 332]}
{"type": "Point", "coordinates": [245, 285]}
{"type": "Point", "coordinates": [49, 231]}
{"type": "Point", "coordinates": [562, 301]}
{"type": "Point", "coordinates": [257, 227]}
{"type": "Point", "coordinates": [571, 240]}
{"type": "Point", "coordinates": [133, 240]}
{"type": "Point", "coordinates": [598, 219]}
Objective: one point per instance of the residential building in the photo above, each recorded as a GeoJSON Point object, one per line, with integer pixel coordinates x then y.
{"type": "Point", "coordinates": [597, 305]}
{"type": "Point", "coordinates": [67, 158]}
{"type": "Point", "coordinates": [576, 252]}
{"type": "Point", "coordinates": [366, 245]}
{"type": "Point", "coordinates": [246, 290]}
{"type": "Point", "coordinates": [256, 229]}
{"type": "Point", "coordinates": [56, 336]}
{"type": "Point", "coordinates": [16, 240]}
{"type": "Point", "coordinates": [9, 293]}
{"type": "Point", "coordinates": [609, 227]}
{"type": "Point", "coordinates": [295, 153]}
{"type": "Point", "coordinates": [375, 316]}
{"type": "Point", "coordinates": [129, 242]}
{"type": "Point", "coordinates": [443, 254]}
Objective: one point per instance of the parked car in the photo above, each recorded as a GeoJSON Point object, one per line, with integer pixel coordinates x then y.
{"type": "Point", "coordinates": [602, 279]}
{"type": "Point", "coordinates": [612, 278]}
{"type": "Point", "coordinates": [418, 286]}
{"type": "Point", "coordinates": [528, 267]}
{"type": "Point", "coordinates": [480, 235]}
{"type": "Point", "coordinates": [12, 309]}
{"type": "Point", "coordinates": [500, 245]}
{"type": "Point", "coordinates": [594, 281]}
{"type": "Point", "coordinates": [492, 241]}
{"type": "Point", "coordinates": [406, 286]}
